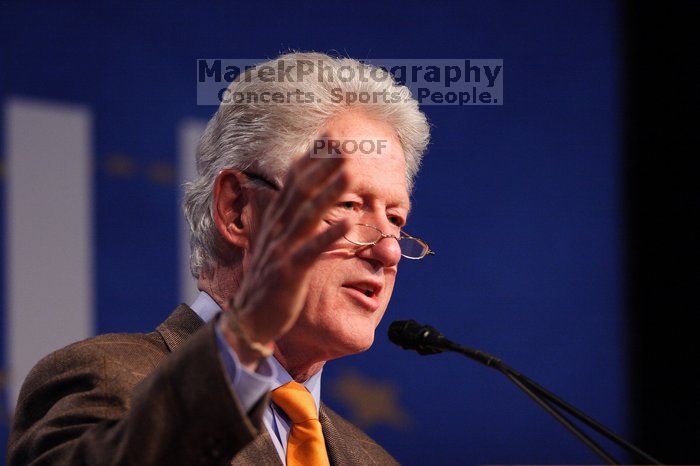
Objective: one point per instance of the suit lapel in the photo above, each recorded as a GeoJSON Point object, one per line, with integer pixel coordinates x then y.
{"type": "Point", "coordinates": [259, 451]}
{"type": "Point", "coordinates": [180, 325]}
{"type": "Point", "coordinates": [342, 448]}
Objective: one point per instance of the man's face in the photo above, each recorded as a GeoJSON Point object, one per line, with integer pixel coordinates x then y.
{"type": "Point", "coordinates": [350, 286]}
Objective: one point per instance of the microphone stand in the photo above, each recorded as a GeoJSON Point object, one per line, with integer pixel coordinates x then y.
{"type": "Point", "coordinates": [549, 402]}
{"type": "Point", "coordinates": [589, 442]}
{"type": "Point", "coordinates": [409, 334]}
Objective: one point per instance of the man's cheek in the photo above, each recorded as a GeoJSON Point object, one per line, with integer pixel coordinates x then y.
{"type": "Point", "coordinates": [379, 315]}
{"type": "Point", "coordinates": [389, 288]}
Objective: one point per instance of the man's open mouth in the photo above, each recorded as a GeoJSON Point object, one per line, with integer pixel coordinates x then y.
{"type": "Point", "coordinates": [367, 288]}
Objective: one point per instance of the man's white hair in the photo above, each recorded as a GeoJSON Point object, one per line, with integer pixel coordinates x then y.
{"type": "Point", "coordinates": [266, 135]}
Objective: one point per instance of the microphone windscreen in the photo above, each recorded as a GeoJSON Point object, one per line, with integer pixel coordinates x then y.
{"type": "Point", "coordinates": [409, 334]}
{"type": "Point", "coordinates": [399, 329]}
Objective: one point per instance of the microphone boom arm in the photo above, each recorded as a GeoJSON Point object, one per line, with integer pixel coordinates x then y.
{"type": "Point", "coordinates": [427, 340]}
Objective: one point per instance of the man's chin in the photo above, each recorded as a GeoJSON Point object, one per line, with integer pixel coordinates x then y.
{"type": "Point", "coordinates": [354, 344]}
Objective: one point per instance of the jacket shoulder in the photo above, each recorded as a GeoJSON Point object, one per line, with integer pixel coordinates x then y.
{"type": "Point", "coordinates": [128, 350]}
{"type": "Point", "coordinates": [117, 360]}
{"type": "Point", "coordinates": [139, 348]}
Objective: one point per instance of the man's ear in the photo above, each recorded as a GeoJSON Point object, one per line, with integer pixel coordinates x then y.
{"type": "Point", "coordinates": [230, 204]}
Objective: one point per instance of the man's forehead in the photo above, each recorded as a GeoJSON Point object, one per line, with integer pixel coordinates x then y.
{"type": "Point", "coordinates": [387, 184]}
{"type": "Point", "coordinates": [391, 195]}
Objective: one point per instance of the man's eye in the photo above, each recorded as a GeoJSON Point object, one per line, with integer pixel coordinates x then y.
{"type": "Point", "coordinates": [398, 221]}
{"type": "Point", "coordinates": [347, 205]}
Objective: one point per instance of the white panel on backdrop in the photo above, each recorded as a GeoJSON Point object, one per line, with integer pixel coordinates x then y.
{"type": "Point", "coordinates": [48, 231]}
{"type": "Point", "coordinates": [189, 133]}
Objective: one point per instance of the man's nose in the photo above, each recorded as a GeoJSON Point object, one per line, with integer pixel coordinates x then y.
{"type": "Point", "coordinates": [387, 250]}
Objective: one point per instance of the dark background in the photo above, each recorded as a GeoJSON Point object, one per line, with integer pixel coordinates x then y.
{"type": "Point", "coordinates": [663, 203]}
{"type": "Point", "coordinates": [563, 219]}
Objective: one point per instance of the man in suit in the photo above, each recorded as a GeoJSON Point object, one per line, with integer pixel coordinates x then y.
{"type": "Point", "coordinates": [295, 257]}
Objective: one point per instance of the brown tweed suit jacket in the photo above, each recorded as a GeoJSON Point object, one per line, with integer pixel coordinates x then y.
{"type": "Point", "coordinates": [161, 398]}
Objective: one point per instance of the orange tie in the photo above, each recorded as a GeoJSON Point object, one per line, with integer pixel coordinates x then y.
{"type": "Point", "coordinates": [305, 446]}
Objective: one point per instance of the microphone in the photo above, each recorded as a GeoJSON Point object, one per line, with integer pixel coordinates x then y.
{"type": "Point", "coordinates": [410, 335]}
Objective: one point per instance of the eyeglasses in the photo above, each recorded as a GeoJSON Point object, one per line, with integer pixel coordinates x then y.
{"type": "Point", "coordinates": [262, 179]}
{"type": "Point", "coordinates": [362, 234]}
{"type": "Point", "coordinates": [412, 247]}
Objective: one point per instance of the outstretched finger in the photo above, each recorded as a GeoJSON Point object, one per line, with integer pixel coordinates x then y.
{"type": "Point", "coordinates": [305, 217]}
{"type": "Point", "coordinates": [304, 180]}
{"type": "Point", "coordinates": [313, 248]}
{"type": "Point", "coordinates": [308, 215]}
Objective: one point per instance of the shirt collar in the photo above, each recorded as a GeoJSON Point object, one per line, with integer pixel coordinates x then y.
{"type": "Point", "coordinates": [206, 308]}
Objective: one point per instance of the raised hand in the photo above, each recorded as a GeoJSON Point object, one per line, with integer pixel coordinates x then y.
{"type": "Point", "coordinates": [272, 291]}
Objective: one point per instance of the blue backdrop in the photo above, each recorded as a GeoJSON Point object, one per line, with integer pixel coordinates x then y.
{"type": "Point", "coordinates": [521, 201]}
